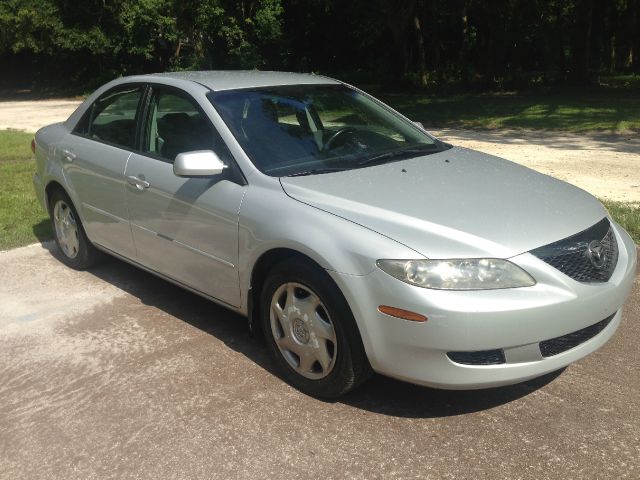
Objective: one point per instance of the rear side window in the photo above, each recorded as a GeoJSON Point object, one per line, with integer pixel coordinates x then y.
{"type": "Point", "coordinates": [112, 118]}
{"type": "Point", "coordinates": [176, 125]}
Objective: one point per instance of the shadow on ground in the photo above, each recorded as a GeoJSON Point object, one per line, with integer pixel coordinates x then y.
{"type": "Point", "coordinates": [42, 230]}
{"type": "Point", "coordinates": [29, 94]}
{"type": "Point", "coordinates": [379, 394]}
{"type": "Point", "coordinates": [611, 142]}
{"type": "Point", "coordinates": [583, 110]}
{"type": "Point", "coordinates": [399, 399]}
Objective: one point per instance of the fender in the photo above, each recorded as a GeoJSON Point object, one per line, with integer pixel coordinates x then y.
{"type": "Point", "coordinates": [48, 164]}
{"type": "Point", "coordinates": [336, 244]}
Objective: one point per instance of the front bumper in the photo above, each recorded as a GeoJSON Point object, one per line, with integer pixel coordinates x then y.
{"type": "Point", "coordinates": [512, 320]}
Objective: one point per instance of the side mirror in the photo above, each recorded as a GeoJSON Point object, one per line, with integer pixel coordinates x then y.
{"type": "Point", "coordinates": [200, 163]}
{"type": "Point", "coordinates": [419, 124]}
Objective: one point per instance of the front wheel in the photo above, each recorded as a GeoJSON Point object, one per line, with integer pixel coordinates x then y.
{"type": "Point", "coordinates": [77, 250]}
{"type": "Point", "coordinates": [310, 331]}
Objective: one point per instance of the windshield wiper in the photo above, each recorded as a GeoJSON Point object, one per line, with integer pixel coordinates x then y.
{"type": "Point", "coordinates": [315, 171]}
{"type": "Point", "coordinates": [400, 153]}
{"type": "Point", "coordinates": [419, 150]}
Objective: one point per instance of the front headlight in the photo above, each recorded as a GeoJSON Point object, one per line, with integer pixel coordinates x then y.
{"type": "Point", "coordinates": [458, 274]}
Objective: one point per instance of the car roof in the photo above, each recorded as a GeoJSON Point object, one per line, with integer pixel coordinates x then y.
{"type": "Point", "coordinates": [234, 79]}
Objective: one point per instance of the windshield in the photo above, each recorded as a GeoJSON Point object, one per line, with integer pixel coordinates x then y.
{"type": "Point", "coordinates": [309, 129]}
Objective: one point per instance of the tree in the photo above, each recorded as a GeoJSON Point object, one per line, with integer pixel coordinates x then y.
{"type": "Point", "coordinates": [500, 43]}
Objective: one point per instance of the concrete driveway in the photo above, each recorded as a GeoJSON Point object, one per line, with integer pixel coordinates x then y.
{"type": "Point", "coordinates": [114, 373]}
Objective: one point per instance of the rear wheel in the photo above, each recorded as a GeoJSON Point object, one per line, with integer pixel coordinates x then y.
{"type": "Point", "coordinates": [310, 331]}
{"type": "Point", "coordinates": [77, 250]}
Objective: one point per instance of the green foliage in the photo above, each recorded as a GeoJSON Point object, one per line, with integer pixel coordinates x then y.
{"type": "Point", "coordinates": [236, 35]}
{"type": "Point", "coordinates": [144, 23]}
{"type": "Point", "coordinates": [267, 21]}
{"type": "Point", "coordinates": [97, 40]}
{"type": "Point", "coordinates": [30, 25]}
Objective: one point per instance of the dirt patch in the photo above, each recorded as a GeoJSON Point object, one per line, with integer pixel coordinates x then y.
{"type": "Point", "coordinates": [605, 165]}
{"type": "Point", "coordinates": [30, 115]}
{"type": "Point", "coordinates": [37, 296]}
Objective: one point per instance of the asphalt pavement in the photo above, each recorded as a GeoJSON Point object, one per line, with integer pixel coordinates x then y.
{"type": "Point", "coordinates": [114, 373]}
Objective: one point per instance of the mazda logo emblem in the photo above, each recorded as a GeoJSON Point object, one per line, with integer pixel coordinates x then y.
{"type": "Point", "coordinates": [596, 254]}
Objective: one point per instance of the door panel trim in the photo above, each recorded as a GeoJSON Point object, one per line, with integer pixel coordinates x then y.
{"type": "Point", "coordinates": [102, 212]}
{"type": "Point", "coordinates": [184, 245]}
{"type": "Point", "coordinates": [222, 303]}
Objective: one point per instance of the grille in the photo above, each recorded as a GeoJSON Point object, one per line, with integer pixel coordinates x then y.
{"type": "Point", "coordinates": [483, 357]}
{"type": "Point", "coordinates": [549, 348]}
{"type": "Point", "coordinates": [573, 258]}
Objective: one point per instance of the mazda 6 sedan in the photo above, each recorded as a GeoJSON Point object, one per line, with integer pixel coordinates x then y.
{"type": "Point", "coordinates": [353, 240]}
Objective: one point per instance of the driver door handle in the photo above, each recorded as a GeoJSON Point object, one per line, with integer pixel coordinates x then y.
{"type": "Point", "coordinates": [68, 155]}
{"type": "Point", "coordinates": [139, 183]}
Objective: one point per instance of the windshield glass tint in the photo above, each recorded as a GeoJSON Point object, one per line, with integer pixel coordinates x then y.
{"type": "Point", "coordinates": [304, 129]}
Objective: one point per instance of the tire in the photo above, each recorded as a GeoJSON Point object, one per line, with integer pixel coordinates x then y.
{"type": "Point", "coordinates": [310, 331]}
{"type": "Point", "coordinates": [76, 249]}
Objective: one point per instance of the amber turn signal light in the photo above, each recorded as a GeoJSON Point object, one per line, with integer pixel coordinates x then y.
{"type": "Point", "coordinates": [400, 313]}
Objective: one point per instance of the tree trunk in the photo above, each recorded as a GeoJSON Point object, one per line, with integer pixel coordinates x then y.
{"type": "Point", "coordinates": [582, 41]}
{"type": "Point", "coordinates": [465, 71]}
{"type": "Point", "coordinates": [422, 66]}
{"type": "Point", "coordinates": [398, 17]}
{"type": "Point", "coordinates": [634, 47]}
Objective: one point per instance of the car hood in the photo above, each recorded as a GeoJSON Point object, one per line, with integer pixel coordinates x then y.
{"type": "Point", "coordinates": [458, 203]}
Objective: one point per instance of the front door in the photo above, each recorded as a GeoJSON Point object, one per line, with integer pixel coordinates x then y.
{"type": "Point", "coordinates": [185, 228]}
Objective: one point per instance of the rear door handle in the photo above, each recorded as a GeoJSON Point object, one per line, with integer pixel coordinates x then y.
{"type": "Point", "coordinates": [68, 155]}
{"type": "Point", "coordinates": [139, 183]}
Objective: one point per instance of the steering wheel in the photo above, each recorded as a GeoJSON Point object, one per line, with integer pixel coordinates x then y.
{"type": "Point", "coordinates": [332, 139]}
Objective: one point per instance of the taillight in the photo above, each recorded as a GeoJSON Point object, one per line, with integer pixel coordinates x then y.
{"type": "Point", "coordinates": [33, 146]}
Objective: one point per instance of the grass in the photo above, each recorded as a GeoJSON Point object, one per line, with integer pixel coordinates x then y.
{"type": "Point", "coordinates": [15, 145]}
{"type": "Point", "coordinates": [583, 110]}
{"type": "Point", "coordinates": [23, 221]}
{"type": "Point", "coordinates": [627, 215]}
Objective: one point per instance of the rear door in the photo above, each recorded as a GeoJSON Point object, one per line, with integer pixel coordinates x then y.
{"type": "Point", "coordinates": [185, 228]}
{"type": "Point", "coordinates": [94, 157]}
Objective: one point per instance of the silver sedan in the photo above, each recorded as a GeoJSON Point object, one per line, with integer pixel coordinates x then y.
{"type": "Point", "coordinates": [352, 239]}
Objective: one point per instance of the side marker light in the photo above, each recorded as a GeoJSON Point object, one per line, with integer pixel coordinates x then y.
{"type": "Point", "coordinates": [400, 313]}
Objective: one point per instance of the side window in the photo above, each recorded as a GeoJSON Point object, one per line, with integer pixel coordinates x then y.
{"type": "Point", "coordinates": [112, 118]}
{"type": "Point", "coordinates": [286, 113]}
{"type": "Point", "coordinates": [176, 125]}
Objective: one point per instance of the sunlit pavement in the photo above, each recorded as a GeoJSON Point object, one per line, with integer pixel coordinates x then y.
{"type": "Point", "coordinates": [114, 373]}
